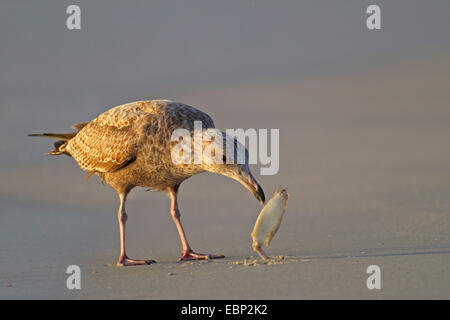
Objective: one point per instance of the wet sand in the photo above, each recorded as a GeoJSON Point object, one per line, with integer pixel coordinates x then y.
{"type": "Point", "coordinates": [366, 161]}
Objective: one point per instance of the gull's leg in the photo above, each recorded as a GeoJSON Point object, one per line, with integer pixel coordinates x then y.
{"type": "Point", "coordinates": [122, 216]}
{"type": "Point", "coordinates": [187, 253]}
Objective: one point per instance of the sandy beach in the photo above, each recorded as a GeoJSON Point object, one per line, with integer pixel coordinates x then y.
{"type": "Point", "coordinates": [366, 162]}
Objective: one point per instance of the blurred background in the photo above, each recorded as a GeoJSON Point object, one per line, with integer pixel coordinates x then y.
{"type": "Point", "coordinates": [363, 116]}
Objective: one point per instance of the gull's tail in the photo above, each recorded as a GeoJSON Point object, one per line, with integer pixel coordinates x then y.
{"type": "Point", "coordinates": [63, 138]}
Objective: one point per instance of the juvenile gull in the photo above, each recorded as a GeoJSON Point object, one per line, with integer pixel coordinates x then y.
{"type": "Point", "coordinates": [130, 145]}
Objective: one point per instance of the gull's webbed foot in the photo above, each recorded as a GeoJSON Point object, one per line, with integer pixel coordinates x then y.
{"type": "Point", "coordinates": [191, 255]}
{"type": "Point", "coordinates": [125, 261]}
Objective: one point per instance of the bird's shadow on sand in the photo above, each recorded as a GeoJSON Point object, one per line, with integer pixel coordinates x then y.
{"type": "Point", "coordinates": [290, 257]}
{"type": "Point", "coordinates": [364, 254]}
{"type": "Point", "coordinates": [281, 259]}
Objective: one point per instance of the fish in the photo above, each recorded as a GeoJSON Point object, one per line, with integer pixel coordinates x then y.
{"type": "Point", "coordinates": [268, 221]}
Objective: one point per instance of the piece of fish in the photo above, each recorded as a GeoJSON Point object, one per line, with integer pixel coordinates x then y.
{"type": "Point", "coordinates": [269, 220]}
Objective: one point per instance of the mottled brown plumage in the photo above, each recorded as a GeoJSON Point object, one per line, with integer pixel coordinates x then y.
{"type": "Point", "coordinates": [135, 136]}
{"type": "Point", "coordinates": [130, 145]}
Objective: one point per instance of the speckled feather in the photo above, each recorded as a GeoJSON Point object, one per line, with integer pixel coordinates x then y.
{"type": "Point", "coordinates": [135, 138]}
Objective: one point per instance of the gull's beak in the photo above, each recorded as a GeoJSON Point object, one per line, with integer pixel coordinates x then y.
{"type": "Point", "coordinates": [260, 195]}
{"type": "Point", "coordinates": [251, 185]}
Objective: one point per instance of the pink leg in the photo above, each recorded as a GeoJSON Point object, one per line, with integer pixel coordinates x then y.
{"type": "Point", "coordinates": [187, 253]}
{"type": "Point", "coordinates": [123, 259]}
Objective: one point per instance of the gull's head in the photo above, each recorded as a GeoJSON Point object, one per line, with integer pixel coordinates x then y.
{"type": "Point", "coordinates": [230, 158]}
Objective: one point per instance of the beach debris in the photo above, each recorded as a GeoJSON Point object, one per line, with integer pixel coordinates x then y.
{"type": "Point", "coordinates": [276, 260]}
{"type": "Point", "coordinates": [268, 221]}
